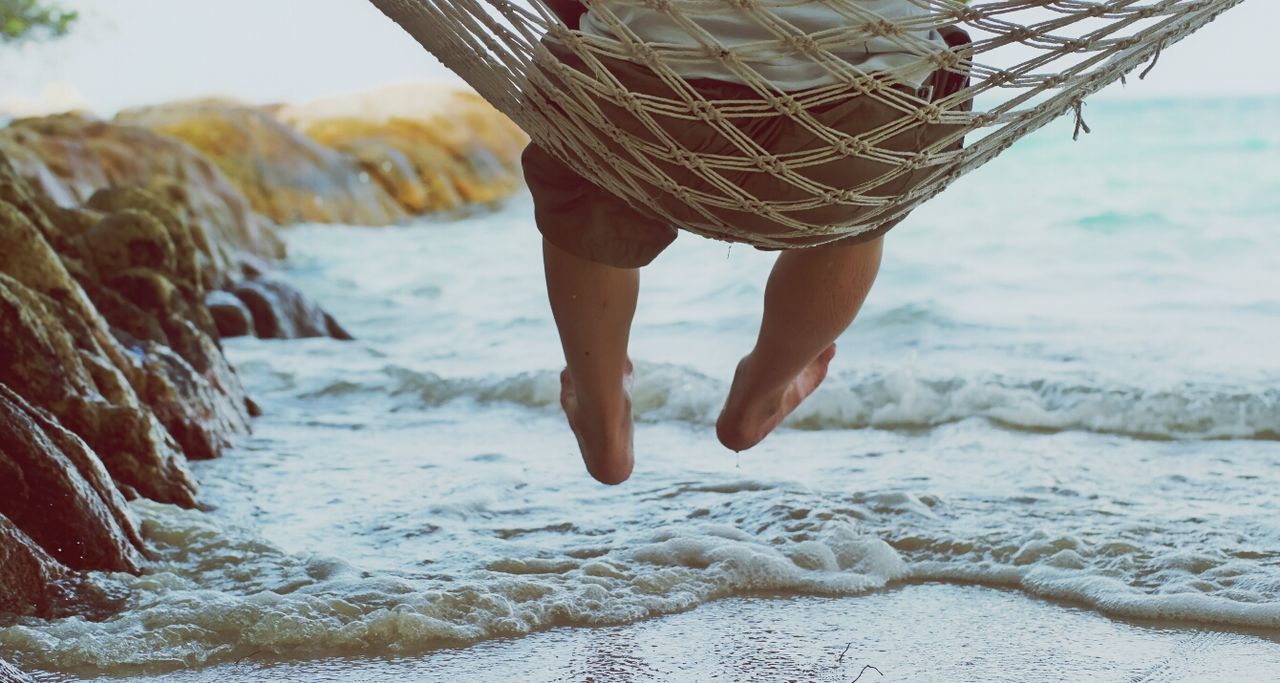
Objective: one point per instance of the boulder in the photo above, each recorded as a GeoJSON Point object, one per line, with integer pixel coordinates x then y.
{"type": "Point", "coordinates": [58, 492]}
{"type": "Point", "coordinates": [29, 576]}
{"type": "Point", "coordinates": [433, 147]}
{"type": "Point", "coordinates": [47, 365]}
{"type": "Point", "coordinates": [286, 175]}
{"type": "Point", "coordinates": [282, 312]}
{"type": "Point", "coordinates": [230, 315]}
{"type": "Point", "coordinates": [59, 355]}
{"type": "Point", "coordinates": [190, 257]}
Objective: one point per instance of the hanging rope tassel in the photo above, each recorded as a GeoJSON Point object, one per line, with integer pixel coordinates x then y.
{"type": "Point", "coordinates": [1154, 60]}
{"type": "Point", "coordinates": [1078, 105]}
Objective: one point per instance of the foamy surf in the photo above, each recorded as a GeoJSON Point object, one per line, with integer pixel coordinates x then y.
{"type": "Point", "coordinates": [893, 398]}
{"type": "Point", "coordinates": [220, 593]}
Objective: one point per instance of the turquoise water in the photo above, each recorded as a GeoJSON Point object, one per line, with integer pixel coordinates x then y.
{"type": "Point", "coordinates": [1066, 384]}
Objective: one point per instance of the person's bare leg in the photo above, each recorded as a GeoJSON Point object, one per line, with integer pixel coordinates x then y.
{"type": "Point", "coordinates": [593, 305]}
{"type": "Point", "coordinates": [812, 296]}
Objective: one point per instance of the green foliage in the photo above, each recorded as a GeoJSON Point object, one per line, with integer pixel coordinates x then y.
{"type": "Point", "coordinates": [28, 19]}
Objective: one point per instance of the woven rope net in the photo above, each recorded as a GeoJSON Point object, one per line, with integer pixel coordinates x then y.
{"type": "Point", "coordinates": [1029, 61]}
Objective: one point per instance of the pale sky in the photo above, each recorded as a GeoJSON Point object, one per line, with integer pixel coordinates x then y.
{"type": "Point", "coordinates": [131, 52]}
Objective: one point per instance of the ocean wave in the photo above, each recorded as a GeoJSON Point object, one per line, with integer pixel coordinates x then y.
{"type": "Point", "coordinates": [220, 593]}
{"type": "Point", "coordinates": [898, 399]}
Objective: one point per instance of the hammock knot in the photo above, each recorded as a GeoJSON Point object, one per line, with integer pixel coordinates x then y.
{"type": "Point", "coordinates": [611, 130]}
{"type": "Point", "coordinates": [802, 44]}
{"type": "Point", "coordinates": [883, 28]}
{"type": "Point", "coordinates": [631, 103]}
{"type": "Point", "coordinates": [706, 111]}
{"type": "Point", "coordinates": [930, 113]}
{"type": "Point", "coordinates": [770, 164]}
{"type": "Point", "coordinates": [644, 54]}
{"type": "Point", "coordinates": [787, 104]}
{"type": "Point", "coordinates": [968, 15]}
{"type": "Point", "coordinates": [687, 159]}
{"type": "Point", "coordinates": [1021, 34]}
{"type": "Point", "coordinates": [660, 5]}
{"type": "Point", "coordinates": [999, 78]}
{"type": "Point", "coordinates": [853, 147]}
{"type": "Point", "coordinates": [946, 59]}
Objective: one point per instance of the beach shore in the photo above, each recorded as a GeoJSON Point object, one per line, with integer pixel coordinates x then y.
{"type": "Point", "coordinates": [920, 632]}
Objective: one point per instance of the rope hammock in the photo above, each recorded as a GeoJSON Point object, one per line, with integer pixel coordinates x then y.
{"type": "Point", "coordinates": [1028, 62]}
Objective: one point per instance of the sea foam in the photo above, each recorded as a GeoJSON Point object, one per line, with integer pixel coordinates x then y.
{"type": "Point", "coordinates": [891, 399]}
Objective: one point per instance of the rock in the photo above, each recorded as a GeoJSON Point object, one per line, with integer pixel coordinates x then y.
{"type": "Point", "coordinates": [70, 158]}
{"type": "Point", "coordinates": [433, 147]}
{"type": "Point", "coordinates": [129, 239]}
{"type": "Point", "coordinates": [286, 175]}
{"type": "Point", "coordinates": [230, 315]}
{"type": "Point", "coordinates": [60, 355]}
{"type": "Point", "coordinates": [190, 258]}
{"type": "Point", "coordinates": [335, 329]}
{"type": "Point", "coordinates": [282, 312]}
{"type": "Point", "coordinates": [10, 674]}
{"type": "Point", "coordinates": [198, 409]}
{"type": "Point", "coordinates": [58, 492]}
{"type": "Point", "coordinates": [143, 279]}
{"type": "Point", "coordinates": [88, 394]}
{"type": "Point", "coordinates": [29, 576]}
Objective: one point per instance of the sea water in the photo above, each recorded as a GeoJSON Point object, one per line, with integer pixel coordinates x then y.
{"type": "Point", "coordinates": [1065, 385]}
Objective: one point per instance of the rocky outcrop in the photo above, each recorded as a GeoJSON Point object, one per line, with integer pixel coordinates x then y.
{"type": "Point", "coordinates": [60, 355]}
{"type": "Point", "coordinates": [67, 159]}
{"type": "Point", "coordinates": [111, 371]}
{"type": "Point", "coordinates": [432, 147]}
{"type": "Point", "coordinates": [80, 170]}
{"type": "Point", "coordinates": [286, 175]}
{"type": "Point", "coordinates": [128, 250]}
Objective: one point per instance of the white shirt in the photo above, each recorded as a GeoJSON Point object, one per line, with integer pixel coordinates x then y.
{"type": "Point", "coordinates": [839, 31]}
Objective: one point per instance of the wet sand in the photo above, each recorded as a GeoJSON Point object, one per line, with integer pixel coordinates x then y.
{"type": "Point", "coordinates": [926, 632]}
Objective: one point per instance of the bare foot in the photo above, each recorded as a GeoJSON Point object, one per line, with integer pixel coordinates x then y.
{"type": "Point", "coordinates": [750, 414]}
{"type": "Point", "coordinates": [604, 433]}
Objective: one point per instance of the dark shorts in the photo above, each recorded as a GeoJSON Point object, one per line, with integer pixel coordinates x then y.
{"type": "Point", "coordinates": [592, 223]}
